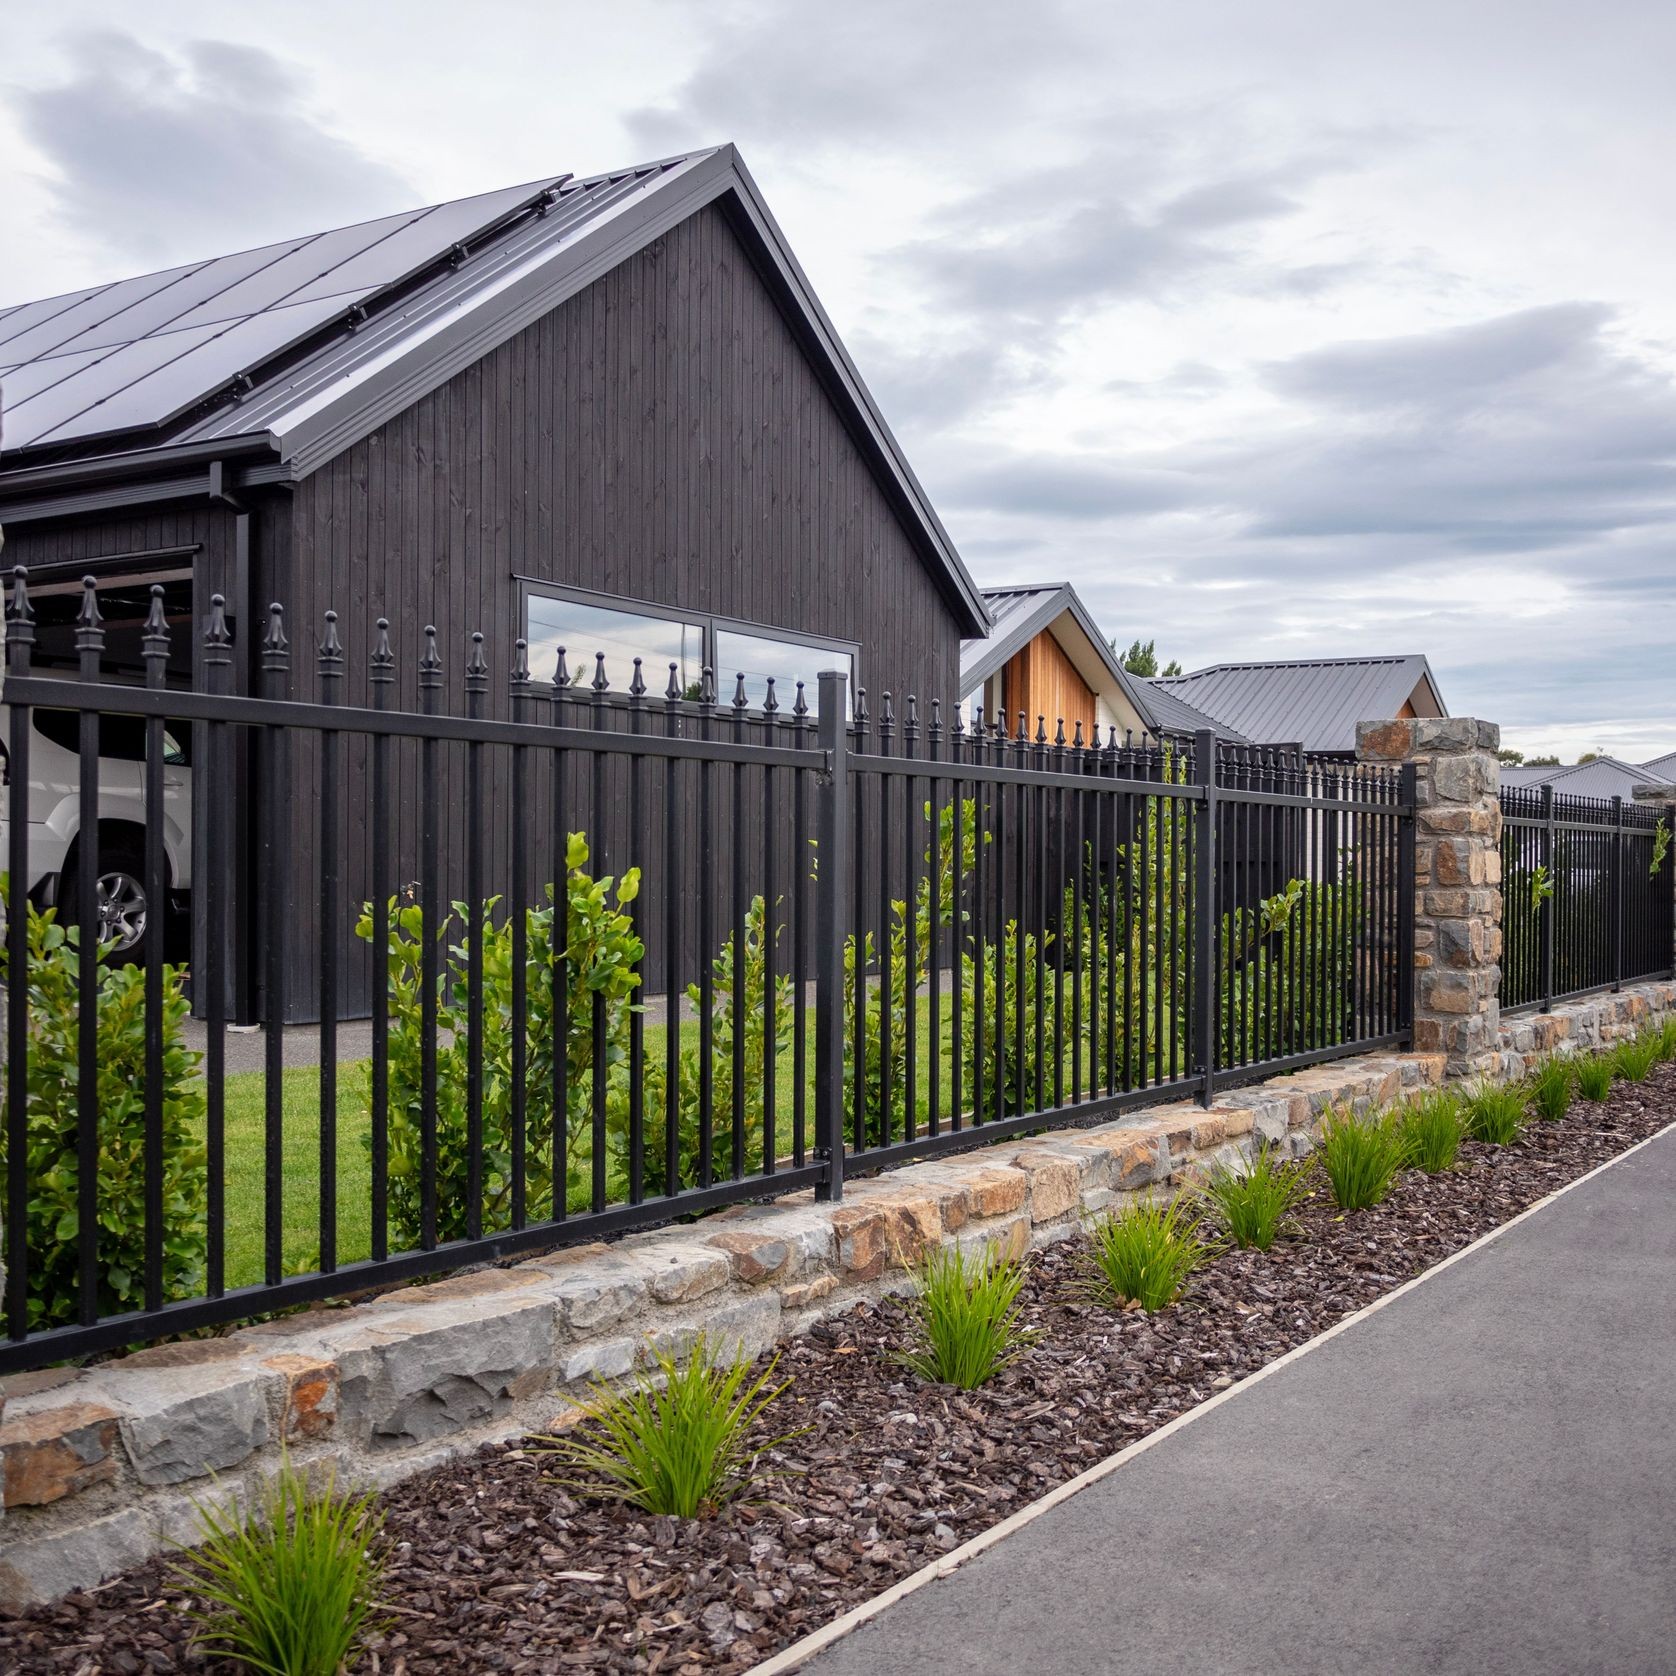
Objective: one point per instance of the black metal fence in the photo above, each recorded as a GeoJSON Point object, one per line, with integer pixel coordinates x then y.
{"type": "Point", "coordinates": [1587, 896]}
{"type": "Point", "coordinates": [628, 956]}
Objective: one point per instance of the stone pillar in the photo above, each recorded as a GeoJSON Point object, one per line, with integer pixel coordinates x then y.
{"type": "Point", "coordinates": [1457, 881]}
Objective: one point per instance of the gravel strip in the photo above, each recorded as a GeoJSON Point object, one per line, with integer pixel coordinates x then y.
{"type": "Point", "coordinates": [496, 1569]}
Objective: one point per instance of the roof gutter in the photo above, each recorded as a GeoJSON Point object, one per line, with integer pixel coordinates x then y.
{"type": "Point", "coordinates": [77, 488]}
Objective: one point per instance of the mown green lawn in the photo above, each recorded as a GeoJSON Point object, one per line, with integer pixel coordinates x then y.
{"type": "Point", "coordinates": [300, 1106]}
{"type": "Point", "coordinates": [300, 1202]}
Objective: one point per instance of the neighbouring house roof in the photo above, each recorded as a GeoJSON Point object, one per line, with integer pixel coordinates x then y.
{"type": "Point", "coordinates": [1019, 614]}
{"type": "Point", "coordinates": [1314, 702]}
{"type": "Point", "coordinates": [1175, 715]}
{"type": "Point", "coordinates": [307, 345]}
{"type": "Point", "coordinates": [1604, 777]}
{"type": "Point", "coordinates": [1664, 767]}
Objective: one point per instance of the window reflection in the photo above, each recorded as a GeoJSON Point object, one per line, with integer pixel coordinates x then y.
{"type": "Point", "coordinates": [758, 657]}
{"type": "Point", "coordinates": [586, 630]}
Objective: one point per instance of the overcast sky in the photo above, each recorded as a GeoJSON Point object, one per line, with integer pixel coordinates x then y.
{"type": "Point", "coordinates": [1282, 330]}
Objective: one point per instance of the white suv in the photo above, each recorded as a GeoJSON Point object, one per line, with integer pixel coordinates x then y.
{"type": "Point", "coordinates": [55, 820]}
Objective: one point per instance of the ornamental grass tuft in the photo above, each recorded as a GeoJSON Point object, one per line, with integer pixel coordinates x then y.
{"type": "Point", "coordinates": [1361, 1156]}
{"type": "Point", "coordinates": [1254, 1204]}
{"type": "Point", "coordinates": [293, 1590]}
{"type": "Point", "coordinates": [1495, 1112]}
{"type": "Point", "coordinates": [1432, 1128]}
{"type": "Point", "coordinates": [1551, 1087]}
{"type": "Point", "coordinates": [966, 1317]}
{"type": "Point", "coordinates": [683, 1440]}
{"type": "Point", "coordinates": [1667, 1039]}
{"type": "Point", "coordinates": [1634, 1060]}
{"type": "Point", "coordinates": [1146, 1253]}
{"type": "Point", "coordinates": [1594, 1076]}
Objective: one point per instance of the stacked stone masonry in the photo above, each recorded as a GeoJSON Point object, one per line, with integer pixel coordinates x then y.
{"type": "Point", "coordinates": [1457, 880]}
{"type": "Point", "coordinates": [100, 1467]}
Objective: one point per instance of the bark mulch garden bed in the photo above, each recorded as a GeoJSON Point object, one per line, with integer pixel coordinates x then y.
{"type": "Point", "coordinates": [496, 1569]}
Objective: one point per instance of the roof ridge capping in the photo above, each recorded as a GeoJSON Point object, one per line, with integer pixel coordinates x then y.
{"type": "Point", "coordinates": [1299, 663]}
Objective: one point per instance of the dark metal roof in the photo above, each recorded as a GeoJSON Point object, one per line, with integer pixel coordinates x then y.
{"type": "Point", "coordinates": [1604, 777]}
{"type": "Point", "coordinates": [1019, 614]}
{"type": "Point", "coordinates": [137, 355]}
{"type": "Point", "coordinates": [1175, 715]}
{"type": "Point", "coordinates": [1316, 703]}
{"type": "Point", "coordinates": [308, 345]}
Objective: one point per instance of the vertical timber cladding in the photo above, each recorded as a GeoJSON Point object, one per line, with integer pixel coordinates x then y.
{"type": "Point", "coordinates": [660, 436]}
{"type": "Point", "coordinates": [1041, 680]}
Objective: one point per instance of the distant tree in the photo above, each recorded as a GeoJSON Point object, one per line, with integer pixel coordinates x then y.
{"type": "Point", "coordinates": [1510, 757]}
{"type": "Point", "coordinates": [1590, 756]}
{"type": "Point", "coordinates": [1542, 762]}
{"type": "Point", "coordinates": [1142, 658]}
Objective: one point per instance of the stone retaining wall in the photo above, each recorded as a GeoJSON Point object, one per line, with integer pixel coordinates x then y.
{"type": "Point", "coordinates": [100, 1466]}
{"type": "Point", "coordinates": [1596, 1021]}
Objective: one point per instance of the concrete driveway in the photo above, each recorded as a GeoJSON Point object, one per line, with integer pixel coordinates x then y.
{"type": "Point", "coordinates": [1478, 1478]}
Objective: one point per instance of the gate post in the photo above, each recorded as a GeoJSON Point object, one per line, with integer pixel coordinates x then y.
{"type": "Point", "coordinates": [1457, 881]}
{"type": "Point", "coordinates": [832, 823]}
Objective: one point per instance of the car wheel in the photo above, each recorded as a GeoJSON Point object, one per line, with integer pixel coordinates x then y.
{"type": "Point", "coordinates": [122, 913]}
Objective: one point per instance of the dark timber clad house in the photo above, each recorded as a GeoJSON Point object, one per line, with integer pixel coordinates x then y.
{"type": "Point", "coordinates": [608, 413]}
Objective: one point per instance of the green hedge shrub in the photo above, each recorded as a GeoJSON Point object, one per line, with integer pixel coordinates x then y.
{"type": "Point", "coordinates": [600, 949]}
{"type": "Point", "coordinates": [51, 1164]}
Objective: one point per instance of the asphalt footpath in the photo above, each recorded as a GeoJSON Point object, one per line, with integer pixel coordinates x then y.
{"type": "Point", "coordinates": [1479, 1478]}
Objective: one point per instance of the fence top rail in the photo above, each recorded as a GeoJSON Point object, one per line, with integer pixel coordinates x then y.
{"type": "Point", "coordinates": [1095, 776]}
{"type": "Point", "coordinates": [1528, 806]}
{"type": "Point", "coordinates": [106, 698]}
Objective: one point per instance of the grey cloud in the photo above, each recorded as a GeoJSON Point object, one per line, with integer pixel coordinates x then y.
{"type": "Point", "coordinates": [874, 73]}
{"type": "Point", "coordinates": [1185, 378]}
{"type": "Point", "coordinates": [925, 389]}
{"type": "Point", "coordinates": [1457, 362]}
{"type": "Point", "coordinates": [1520, 432]}
{"type": "Point", "coordinates": [1541, 456]}
{"type": "Point", "coordinates": [1069, 488]}
{"type": "Point", "coordinates": [1225, 203]}
{"type": "Point", "coordinates": [1042, 244]}
{"type": "Point", "coordinates": [161, 158]}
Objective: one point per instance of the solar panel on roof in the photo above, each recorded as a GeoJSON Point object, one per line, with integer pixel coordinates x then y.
{"type": "Point", "coordinates": [279, 281]}
{"type": "Point", "coordinates": [22, 384]}
{"type": "Point", "coordinates": [420, 242]}
{"type": "Point", "coordinates": [96, 384]}
{"type": "Point", "coordinates": [208, 357]}
{"type": "Point", "coordinates": [165, 310]}
{"type": "Point", "coordinates": [59, 332]}
{"type": "Point", "coordinates": [25, 315]}
{"type": "Point", "coordinates": [145, 351]}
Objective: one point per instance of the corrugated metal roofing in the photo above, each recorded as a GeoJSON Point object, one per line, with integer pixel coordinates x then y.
{"type": "Point", "coordinates": [1316, 703]}
{"type": "Point", "coordinates": [139, 354]}
{"type": "Point", "coordinates": [1019, 614]}
{"type": "Point", "coordinates": [1664, 767]}
{"type": "Point", "coordinates": [1604, 777]}
{"type": "Point", "coordinates": [1016, 616]}
{"type": "Point", "coordinates": [1175, 715]}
